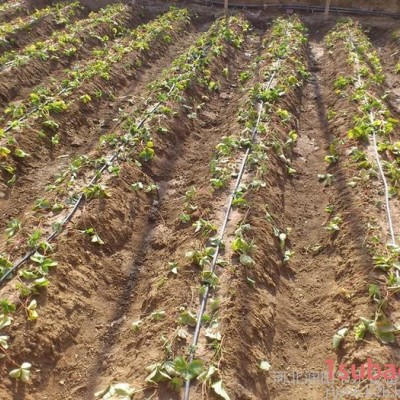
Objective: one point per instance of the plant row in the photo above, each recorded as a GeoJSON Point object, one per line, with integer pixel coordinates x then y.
{"type": "Point", "coordinates": [373, 126]}
{"type": "Point", "coordinates": [61, 13]}
{"type": "Point", "coordinates": [44, 105]}
{"type": "Point", "coordinates": [280, 56]}
{"type": "Point", "coordinates": [136, 137]}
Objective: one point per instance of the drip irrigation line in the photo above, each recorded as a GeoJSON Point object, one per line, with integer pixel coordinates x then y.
{"type": "Point", "coordinates": [378, 160]}
{"type": "Point", "coordinates": [390, 222]}
{"type": "Point", "coordinates": [203, 303]}
{"type": "Point", "coordinates": [94, 179]}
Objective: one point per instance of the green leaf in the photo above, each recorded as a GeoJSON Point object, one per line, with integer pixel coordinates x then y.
{"type": "Point", "coordinates": [173, 267]}
{"type": "Point", "coordinates": [157, 374]}
{"type": "Point", "coordinates": [7, 307]}
{"type": "Point", "coordinates": [4, 152]}
{"type": "Point", "coordinates": [32, 313]}
{"type": "Point", "coordinates": [207, 374]}
{"type": "Point", "coordinates": [38, 258]}
{"type": "Point", "coordinates": [117, 389]}
{"type": "Point", "coordinates": [176, 384]}
{"type": "Point", "coordinates": [124, 389]}
{"type": "Point", "coordinates": [246, 260]}
{"type": "Point", "coordinates": [5, 321]}
{"type": "Point", "coordinates": [4, 342]}
{"type": "Point", "coordinates": [157, 315]}
{"type": "Point", "coordinates": [41, 282]}
{"type": "Point", "coordinates": [211, 278]}
{"type": "Point", "coordinates": [251, 282]}
{"type": "Point", "coordinates": [188, 318]}
{"type": "Point", "coordinates": [360, 331]}
{"type": "Point", "coordinates": [136, 325]}
{"type": "Point", "coordinates": [20, 153]}
{"type": "Point", "coordinates": [181, 366]}
{"type": "Point", "coordinates": [21, 373]}
{"type": "Point", "coordinates": [196, 367]}
{"type": "Point", "coordinates": [137, 186]}
{"type": "Point", "coordinates": [213, 335]}
{"type": "Point", "coordinates": [96, 239]}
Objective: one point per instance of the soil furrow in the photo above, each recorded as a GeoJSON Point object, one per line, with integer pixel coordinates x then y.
{"type": "Point", "coordinates": [305, 315]}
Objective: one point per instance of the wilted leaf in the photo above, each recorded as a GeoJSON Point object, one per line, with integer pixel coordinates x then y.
{"type": "Point", "coordinates": [265, 365]}
{"type": "Point", "coordinates": [338, 337]}
{"type": "Point", "coordinates": [219, 390]}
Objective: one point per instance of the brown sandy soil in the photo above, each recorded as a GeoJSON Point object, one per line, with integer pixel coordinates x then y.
{"type": "Point", "coordinates": [155, 284]}
{"type": "Point", "coordinates": [83, 339]}
{"type": "Point", "coordinates": [325, 290]}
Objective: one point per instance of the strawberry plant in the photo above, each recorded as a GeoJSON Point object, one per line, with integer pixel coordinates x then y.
{"type": "Point", "coordinates": [22, 373]}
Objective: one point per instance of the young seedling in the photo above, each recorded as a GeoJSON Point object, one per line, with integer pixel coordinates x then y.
{"type": "Point", "coordinates": [205, 227]}
{"type": "Point", "coordinates": [31, 311]}
{"type": "Point", "coordinates": [334, 224]}
{"type": "Point", "coordinates": [13, 227]}
{"type": "Point", "coordinates": [333, 157]}
{"type": "Point", "coordinates": [329, 208]}
{"type": "Point", "coordinates": [187, 318]}
{"type": "Point", "coordinates": [202, 257]}
{"type": "Point", "coordinates": [326, 179]}
{"type": "Point", "coordinates": [22, 373]}
{"type": "Point", "coordinates": [94, 237]}
{"type": "Point", "coordinates": [95, 191]}
{"type": "Point", "coordinates": [338, 337]}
